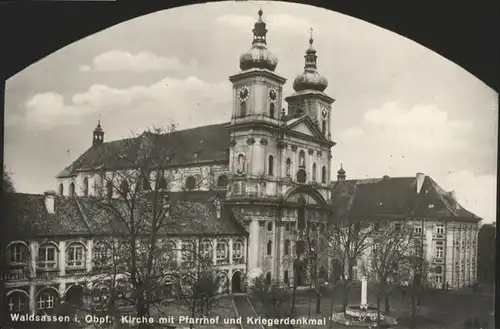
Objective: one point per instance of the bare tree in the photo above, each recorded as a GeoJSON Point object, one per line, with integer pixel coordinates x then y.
{"type": "Point", "coordinates": [389, 247]}
{"type": "Point", "coordinates": [133, 205]}
{"type": "Point", "coordinates": [8, 184]}
{"type": "Point", "coordinates": [412, 278]}
{"type": "Point", "coordinates": [347, 240]}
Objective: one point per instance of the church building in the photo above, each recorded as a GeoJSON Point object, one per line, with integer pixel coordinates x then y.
{"type": "Point", "coordinates": [260, 185]}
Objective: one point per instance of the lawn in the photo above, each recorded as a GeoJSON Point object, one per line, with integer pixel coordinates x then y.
{"type": "Point", "coordinates": [440, 309]}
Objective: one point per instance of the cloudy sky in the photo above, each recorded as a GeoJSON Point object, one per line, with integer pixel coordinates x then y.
{"type": "Point", "coordinates": [400, 108]}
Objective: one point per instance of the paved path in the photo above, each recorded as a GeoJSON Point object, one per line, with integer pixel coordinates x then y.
{"type": "Point", "coordinates": [245, 309]}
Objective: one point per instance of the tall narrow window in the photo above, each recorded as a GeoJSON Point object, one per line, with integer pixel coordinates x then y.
{"type": "Point", "coordinates": [72, 189]}
{"type": "Point", "coordinates": [287, 247]}
{"type": "Point", "coordinates": [314, 172]}
{"type": "Point", "coordinates": [109, 189]}
{"type": "Point", "coordinates": [85, 186]}
{"type": "Point", "coordinates": [243, 109]}
{"type": "Point", "coordinates": [269, 248]}
{"type": "Point", "coordinates": [270, 226]}
{"type": "Point", "coordinates": [268, 278]}
{"type": "Point", "coordinates": [323, 127]}
{"type": "Point", "coordinates": [323, 174]}
{"type": "Point", "coordinates": [301, 218]}
{"type": "Point", "coordinates": [301, 176]}
{"type": "Point", "coordinates": [124, 188]}
{"type": "Point", "coordinates": [270, 166]}
{"type": "Point", "coordinates": [288, 167]}
{"type": "Point", "coordinates": [162, 183]}
{"type": "Point", "coordinates": [272, 110]}
{"type": "Point", "coordinates": [61, 189]}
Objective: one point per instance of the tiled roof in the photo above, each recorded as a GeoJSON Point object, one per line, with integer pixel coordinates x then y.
{"type": "Point", "coordinates": [201, 144]}
{"type": "Point", "coordinates": [26, 216]}
{"type": "Point", "coordinates": [396, 197]}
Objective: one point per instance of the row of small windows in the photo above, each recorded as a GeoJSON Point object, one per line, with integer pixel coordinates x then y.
{"type": "Point", "coordinates": [301, 175]}
{"type": "Point", "coordinates": [124, 187]}
{"type": "Point", "coordinates": [299, 247]}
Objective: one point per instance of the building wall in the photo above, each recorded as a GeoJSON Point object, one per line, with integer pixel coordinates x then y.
{"type": "Point", "coordinates": [29, 279]}
{"type": "Point", "coordinates": [206, 177]}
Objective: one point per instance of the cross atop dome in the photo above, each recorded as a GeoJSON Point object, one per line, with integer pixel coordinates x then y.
{"type": "Point", "coordinates": [259, 56]}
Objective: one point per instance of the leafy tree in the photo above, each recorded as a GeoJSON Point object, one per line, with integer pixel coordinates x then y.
{"type": "Point", "coordinates": [8, 184]}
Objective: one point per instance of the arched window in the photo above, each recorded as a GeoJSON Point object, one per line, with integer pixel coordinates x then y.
{"type": "Point", "coordinates": [301, 218]}
{"type": "Point", "coordinates": [72, 189]}
{"type": "Point", "coordinates": [314, 172]}
{"type": "Point", "coordinates": [61, 189]}
{"type": "Point", "coordinates": [75, 255]}
{"type": "Point", "coordinates": [85, 186]}
{"type": "Point", "coordinates": [222, 251]}
{"type": "Point", "coordinates": [18, 303]}
{"type": "Point", "coordinates": [47, 256]}
{"type": "Point", "coordinates": [302, 159]}
{"type": "Point", "coordinates": [237, 250]}
{"type": "Point", "coordinates": [270, 226]}
{"type": "Point", "coordinates": [270, 166]}
{"type": "Point", "coordinates": [109, 189]}
{"type": "Point", "coordinates": [269, 248]}
{"type": "Point", "coordinates": [271, 110]}
{"type": "Point", "coordinates": [162, 183]}
{"type": "Point", "coordinates": [268, 278]}
{"type": "Point", "coordinates": [241, 163]}
{"type": "Point", "coordinates": [18, 253]}
{"type": "Point", "coordinates": [323, 127]}
{"type": "Point", "coordinates": [243, 109]}
{"type": "Point", "coordinates": [124, 188]}
{"type": "Point", "coordinates": [287, 247]}
{"type": "Point", "coordinates": [323, 174]}
{"type": "Point", "coordinates": [222, 181]}
{"type": "Point", "coordinates": [301, 176]}
{"type": "Point", "coordinates": [288, 167]}
{"type": "Point", "coordinates": [47, 301]}
{"type": "Point", "coordinates": [190, 182]}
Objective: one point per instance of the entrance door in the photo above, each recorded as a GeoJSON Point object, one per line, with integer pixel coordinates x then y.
{"type": "Point", "coordinates": [236, 282]}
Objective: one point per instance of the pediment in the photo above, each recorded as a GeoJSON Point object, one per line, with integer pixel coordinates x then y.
{"type": "Point", "coordinates": [305, 126]}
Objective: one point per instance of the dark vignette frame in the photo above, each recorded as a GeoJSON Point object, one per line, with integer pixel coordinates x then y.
{"type": "Point", "coordinates": [463, 32]}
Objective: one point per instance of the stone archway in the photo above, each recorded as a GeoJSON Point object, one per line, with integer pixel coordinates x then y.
{"type": "Point", "coordinates": [237, 282]}
{"type": "Point", "coordinates": [75, 295]}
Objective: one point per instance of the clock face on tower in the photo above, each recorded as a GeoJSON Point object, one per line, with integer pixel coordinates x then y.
{"type": "Point", "coordinates": [243, 94]}
{"type": "Point", "coordinates": [324, 113]}
{"type": "Point", "coordinates": [272, 95]}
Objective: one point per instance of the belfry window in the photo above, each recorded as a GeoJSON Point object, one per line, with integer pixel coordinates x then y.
{"type": "Point", "coordinates": [323, 175]}
{"type": "Point", "coordinates": [323, 127]}
{"type": "Point", "coordinates": [314, 172]}
{"type": "Point", "coordinates": [243, 109]}
{"type": "Point", "coordinates": [272, 110]}
{"type": "Point", "coordinates": [269, 248]}
{"type": "Point", "coordinates": [241, 164]}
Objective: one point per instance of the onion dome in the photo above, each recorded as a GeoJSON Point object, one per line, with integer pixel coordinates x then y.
{"type": "Point", "coordinates": [341, 173]}
{"type": "Point", "coordinates": [259, 57]}
{"type": "Point", "coordinates": [310, 79]}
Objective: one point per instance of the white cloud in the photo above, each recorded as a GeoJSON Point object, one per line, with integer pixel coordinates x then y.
{"type": "Point", "coordinates": [47, 110]}
{"type": "Point", "coordinates": [190, 101]}
{"type": "Point", "coordinates": [352, 133]}
{"type": "Point", "coordinates": [144, 61]}
{"type": "Point", "coordinates": [84, 68]}
{"type": "Point", "coordinates": [278, 22]}
{"type": "Point", "coordinates": [424, 127]}
{"type": "Point", "coordinates": [477, 193]}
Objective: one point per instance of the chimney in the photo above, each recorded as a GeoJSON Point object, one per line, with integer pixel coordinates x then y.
{"type": "Point", "coordinates": [420, 181]}
{"type": "Point", "coordinates": [50, 201]}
